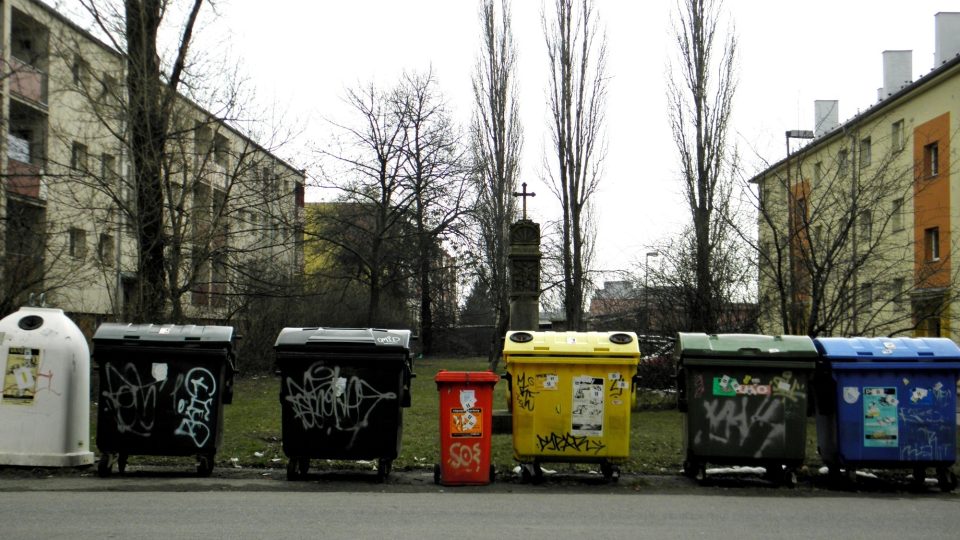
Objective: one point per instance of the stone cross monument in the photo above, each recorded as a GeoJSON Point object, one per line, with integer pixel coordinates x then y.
{"type": "Point", "coordinates": [524, 258]}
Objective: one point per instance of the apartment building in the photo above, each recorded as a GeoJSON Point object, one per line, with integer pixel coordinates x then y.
{"type": "Point", "coordinates": [855, 228]}
{"type": "Point", "coordinates": [232, 210]}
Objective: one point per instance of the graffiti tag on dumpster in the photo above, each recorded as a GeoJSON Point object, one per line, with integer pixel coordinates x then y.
{"type": "Point", "coordinates": [568, 442]}
{"type": "Point", "coordinates": [133, 401]}
{"type": "Point", "coordinates": [753, 424]}
{"type": "Point", "coordinates": [464, 456]}
{"type": "Point", "coordinates": [327, 401]}
{"type": "Point", "coordinates": [195, 407]}
{"type": "Point", "coordinates": [525, 392]}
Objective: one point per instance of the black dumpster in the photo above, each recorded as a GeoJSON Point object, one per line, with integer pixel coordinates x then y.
{"type": "Point", "coordinates": [342, 394]}
{"type": "Point", "coordinates": [162, 391]}
{"type": "Point", "coordinates": [744, 399]}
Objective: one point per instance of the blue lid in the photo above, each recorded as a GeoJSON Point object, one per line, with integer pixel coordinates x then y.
{"type": "Point", "coordinates": [879, 349]}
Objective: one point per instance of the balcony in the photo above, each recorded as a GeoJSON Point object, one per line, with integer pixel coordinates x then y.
{"type": "Point", "coordinates": [23, 178]}
{"type": "Point", "coordinates": [28, 82]}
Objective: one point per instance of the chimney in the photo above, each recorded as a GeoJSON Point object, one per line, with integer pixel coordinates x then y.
{"type": "Point", "coordinates": [947, 28]}
{"type": "Point", "coordinates": [897, 71]}
{"type": "Point", "coordinates": [826, 116]}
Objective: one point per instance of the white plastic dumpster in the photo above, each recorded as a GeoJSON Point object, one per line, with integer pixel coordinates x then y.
{"type": "Point", "coordinates": [45, 402]}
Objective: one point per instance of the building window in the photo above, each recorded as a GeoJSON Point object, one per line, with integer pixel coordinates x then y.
{"type": "Point", "coordinates": [108, 168]}
{"type": "Point", "coordinates": [78, 157]}
{"type": "Point", "coordinates": [896, 215]}
{"type": "Point", "coordinates": [78, 243]}
{"type": "Point", "coordinates": [105, 250]}
{"type": "Point", "coordinates": [79, 70]}
{"type": "Point", "coordinates": [865, 225]}
{"type": "Point", "coordinates": [865, 156]}
{"type": "Point", "coordinates": [896, 290]}
{"type": "Point", "coordinates": [843, 158]}
{"type": "Point", "coordinates": [818, 171]}
{"type": "Point", "coordinates": [931, 244]}
{"type": "Point", "coordinates": [897, 141]}
{"type": "Point", "coordinates": [931, 160]}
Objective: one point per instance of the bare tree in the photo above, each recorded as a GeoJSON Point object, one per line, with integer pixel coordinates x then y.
{"type": "Point", "coordinates": [373, 220]}
{"type": "Point", "coordinates": [577, 55]}
{"type": "Point", "coordinates": [496, 142]}
{"type": "Point", "coordinates": [437, 179]}
{"type": "Point", "coordinates": [700, 89]}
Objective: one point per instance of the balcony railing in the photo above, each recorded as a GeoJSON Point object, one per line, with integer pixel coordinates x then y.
{"type": "Point", "coordinates": [27, 81]}
{"type": "Point", "coordinates": [23, 178]}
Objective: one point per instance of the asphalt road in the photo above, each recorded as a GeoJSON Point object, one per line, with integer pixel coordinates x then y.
{"type": "Point", "coordinates": [164, 503]}
{"type": "Point", "coordinates": [449, 514]}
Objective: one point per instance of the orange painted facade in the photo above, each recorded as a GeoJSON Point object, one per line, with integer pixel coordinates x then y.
{"type": "Point", "coordinates": [932, 202]}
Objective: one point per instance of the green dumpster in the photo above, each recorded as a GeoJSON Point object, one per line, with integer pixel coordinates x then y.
{"type": "Point", "coordinates": [744, 399]}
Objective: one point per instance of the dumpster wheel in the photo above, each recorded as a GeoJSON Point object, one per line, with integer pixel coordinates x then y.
{"type": "Point", "coordinates": [531, 472]}
{"type": "Point", "coordinates": [122, 463]}
{"type": "Point", "coordinates": [436, 473]}
{"type": "Point", "coordinates": [610, 471]}
{"type": "Point", "coordinates": [297, 468]}
{"type": "Point", "coordinates": [946, 479]}
{"type": "Point", "coordinates": [383, 468]}
{"type": "Point", "coordinates": [695, 471]}
{"type": "Point", "coordinates": [104, 465]}
{"type": "Point", "coordinates": [919, 479]}
{"type": "Point", "coordinates": [205, 465]}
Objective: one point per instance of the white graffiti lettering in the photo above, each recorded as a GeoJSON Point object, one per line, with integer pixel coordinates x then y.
{"type": "Point", "coordinates": [328, 401]}
{"type": "Point", "coordinates": [464, 456]}
{"type": "Point", "coordinates": [201, 387]}
{"type": "Point", "coordinates": [787, 387]}
{"type": "Point", "coordinates": [132, 401]}
{"type": "Point", "coordinates": [752, 424]}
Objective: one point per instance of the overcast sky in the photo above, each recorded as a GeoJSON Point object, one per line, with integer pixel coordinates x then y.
{"type": "Point", "coordinates": [304, 54]}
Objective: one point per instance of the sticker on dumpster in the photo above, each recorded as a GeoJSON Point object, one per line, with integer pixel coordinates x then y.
{"type": "Point", "coordinates": [851, 394]}
{"type": "Point", "coordinates": [587, 407]}
{"type": "Point", "coordinates": [466, 422]}
{"type": "Point", "coordinates": [159, 371]}
{"type": "Point", "coordinates": [880, 417]}
{"type": "Point", "coordinates": [20, 376]}
{"type": "Point", "coordinates": [547, 381]}
{"type": "Point", "coordinates": [725, 386]}
{"type": "Point", "coordinates": [468, 398]}
{"type": "Point", "coordinates": [921, 396]}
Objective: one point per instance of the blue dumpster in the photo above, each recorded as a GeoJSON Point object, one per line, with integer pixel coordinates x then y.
{"type": "Point", "coordinates": [888, 403]}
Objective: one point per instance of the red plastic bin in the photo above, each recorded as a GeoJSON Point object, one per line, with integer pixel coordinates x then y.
{"type": "Point", "coordinates": [466, 418]}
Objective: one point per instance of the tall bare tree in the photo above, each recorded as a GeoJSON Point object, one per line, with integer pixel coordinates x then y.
{"type": "Point", "coordinates": [496, 141]}
{"type": "Point", "coordinates": [701, 87]}
{"type": "Point", "coordinates": [436, 177]}
{"type": "Point", "coordinates": [372, 220]}
{"type": "Point", "coordinates": [577, 53]}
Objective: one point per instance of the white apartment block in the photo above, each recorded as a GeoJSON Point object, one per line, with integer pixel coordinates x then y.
{"type": "Point", "coordinates": [232, 209]}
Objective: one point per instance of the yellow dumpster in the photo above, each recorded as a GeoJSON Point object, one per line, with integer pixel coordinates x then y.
{"type": "Point", "coordinates": [570, 393]}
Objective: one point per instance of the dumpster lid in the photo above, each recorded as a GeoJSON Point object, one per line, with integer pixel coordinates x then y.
{"type": "Point", "coordinates": [743, 346]}
{"type": "Point", "coordinates": [596, 344]}
{"type": "Point", "coordinates": [340, 337]}
{"type": "Point", "coordinates": [882, 349]}
{"type": "Point", "coordinates": [170, 333]}
{"type": "Point", "coordinates": [444, 376]}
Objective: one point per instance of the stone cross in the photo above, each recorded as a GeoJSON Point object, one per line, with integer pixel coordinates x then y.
{"type": "Point", "coordinates": [524, 194]}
